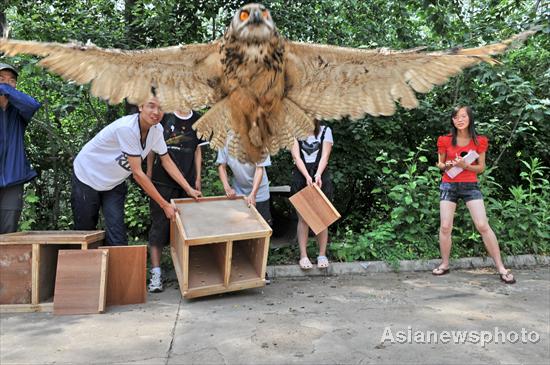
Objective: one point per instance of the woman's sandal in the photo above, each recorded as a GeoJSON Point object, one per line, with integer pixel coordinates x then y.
{"type": "Point", "coordinates": [322, 262]}
{"type": "Point", "coordinates": [305, 264]}
{"type": "Point", "coordinates": [504, 275]}
{"type": "Point", "coordinates": [439, 271]}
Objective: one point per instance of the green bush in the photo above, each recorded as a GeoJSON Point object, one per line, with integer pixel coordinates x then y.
{"type": "Point", "coordinates": [408, 226]}
{"type": "Point", "coordinates": [136, 212]}
{"type": "Point", "coordinates": [521, 222]}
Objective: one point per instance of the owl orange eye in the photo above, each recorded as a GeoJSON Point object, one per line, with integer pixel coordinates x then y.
{"type": "Point", "coordinates": [265, 14]}
{"type": "Point", "coordinates": [244, 15]}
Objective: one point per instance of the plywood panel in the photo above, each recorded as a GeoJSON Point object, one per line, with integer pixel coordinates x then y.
{"type": "Point", "coordinates": [203, 267]}
{"type": "Point", "coordinates": [25, 308]}
{"type": "Point", "coordinates": [242, 268]}
{"type": "Point", "coordinates": [218, 218]}
{"type": "Point", "coordinates": [127, 274]}
{"type": "Point", "coordinates": [314, 207]}
{"type": "Point", "coordinates": [80, 285]}
{"type": "Point", "coordinates": [254, 249]}
{"type": "Point", "coordinates": [180, 253]}
{"type": "Point", "coordinates": [53, 237]}
{"type": "Point", "coordinates": [227, 262]}
{"type": "Point", "coordinates": [47, 270]}
{"type": "Point", "coordinates": [219, 251]}
{"type": "Point", "coordinates": [15, 274]}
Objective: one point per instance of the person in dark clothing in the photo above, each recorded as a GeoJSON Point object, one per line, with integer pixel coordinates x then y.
{"type": "Point", "coordinates": [16, 111]}
{"type": "Point", "coordinates": [184, 149]}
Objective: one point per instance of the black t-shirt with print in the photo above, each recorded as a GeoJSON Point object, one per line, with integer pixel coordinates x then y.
{"type": "Point", "coordinates": [182, 141]}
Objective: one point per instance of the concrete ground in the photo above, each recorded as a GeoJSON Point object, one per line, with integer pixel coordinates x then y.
{"type": "Point", "coordinates": [308, 320]}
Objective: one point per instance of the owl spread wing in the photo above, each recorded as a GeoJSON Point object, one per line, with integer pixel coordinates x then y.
{"type": "Point", "coordinates": [182, 75]}
{"type": "Point", "coordinates": [330, 82]}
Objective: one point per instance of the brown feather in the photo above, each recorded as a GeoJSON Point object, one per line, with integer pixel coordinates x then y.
{"type": "Point", "coordinates": [263, 90]}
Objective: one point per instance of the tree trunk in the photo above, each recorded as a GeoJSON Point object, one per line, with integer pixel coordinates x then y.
{"type": "Point", "coordinates": [131, 36]}
{"type": "Point", "coordinates": [129, 19]}
{"type": "Point", "coordinates": [3, 23]}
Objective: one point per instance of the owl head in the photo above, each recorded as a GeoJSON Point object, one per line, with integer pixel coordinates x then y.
{"type": "Point", "coordinates": [252, 23]}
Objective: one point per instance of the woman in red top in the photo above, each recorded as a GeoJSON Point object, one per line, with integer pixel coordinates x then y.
{"type": "Point", "coordinates": [451, 150]}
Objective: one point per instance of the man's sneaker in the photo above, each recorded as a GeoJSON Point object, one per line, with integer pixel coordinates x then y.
{"type": "Point", "coordinates": [267, 279]}
{"type": "Point", "coordinates": [155, 284]}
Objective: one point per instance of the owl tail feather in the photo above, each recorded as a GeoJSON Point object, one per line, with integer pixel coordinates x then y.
{"type": "Point", "coordinates": [255, 135]}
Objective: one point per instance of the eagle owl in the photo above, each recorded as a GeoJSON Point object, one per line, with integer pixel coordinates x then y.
{"type": "Point", "coordinates": [258, 86]}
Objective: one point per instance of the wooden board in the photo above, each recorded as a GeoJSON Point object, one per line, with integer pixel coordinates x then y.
{"type": "Point", "coordinates": [15, 274]}
{"type": "Point", "coordinates": [26, 308]}
{"type": "Point", "coordinates": [242, 268]}
{"type": "Point", "coordinates": [126, 283]}
{"type": "Point", "coordinates": [204, 270]}
{"type": "Point", "coordinates": [81, 282]}
{"type": "Point", "coordinates": [47, 270]}
{"type": "Point", "coordinates": [43, 237]}
{"type": "Point", "coordinates": [219, 219]}
{"type": "Point", "coordinates": [314, 207]}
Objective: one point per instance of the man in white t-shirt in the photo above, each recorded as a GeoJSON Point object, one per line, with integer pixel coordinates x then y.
{"type": "Point", "coordinates": [107, 160]}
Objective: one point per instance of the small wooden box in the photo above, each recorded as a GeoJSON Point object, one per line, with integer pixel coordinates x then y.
{"type": "Point", "coordinates": [315, 208]}
{"type": "Point", "coordinates": [28, 263]}
{"type": "Point", "coordinates": [218, 245]}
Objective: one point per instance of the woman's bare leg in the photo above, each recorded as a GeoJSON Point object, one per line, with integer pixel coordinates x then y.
{"type": "Point", "coordinates": [446, 215]}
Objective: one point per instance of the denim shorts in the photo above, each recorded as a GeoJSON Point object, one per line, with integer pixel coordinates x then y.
{"type": "Point", "coordinates": [453, 191]}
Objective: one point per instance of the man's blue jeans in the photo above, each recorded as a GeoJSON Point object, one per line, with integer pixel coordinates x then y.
{"type": "Point", "coordinates": [86, 202]}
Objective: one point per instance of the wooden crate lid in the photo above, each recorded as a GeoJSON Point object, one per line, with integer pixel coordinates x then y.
{"type": "Point", "coordinates": [219, 217]}
{"type": "Point", "coordinates": [127, 274]}
{"type": "Point", "coordinates": [81, 282]}
{"type": "Point", "coordinates": [314, 207]}
{"type": "Point", "coordinates": [52, 237]}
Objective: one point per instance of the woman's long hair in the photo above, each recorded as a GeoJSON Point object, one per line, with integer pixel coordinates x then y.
{"type": "Point", "coordinates": [317, 127]}
{"type": "Point", "coordinates": [471, 125]}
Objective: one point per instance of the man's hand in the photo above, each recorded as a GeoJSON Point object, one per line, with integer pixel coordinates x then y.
{"type": "Point", "coordinates": [195, 194]}
{"type": "Point", "coordinates": [170, 210]}
{"type": "Point", "coordinates": [309, 180]}
{"type": "Point", "coordinates": [198, 184]}
{"type": "Point", "coordinates": [230, 192]}
{"type": "Point", "coordinates": [251, 200]}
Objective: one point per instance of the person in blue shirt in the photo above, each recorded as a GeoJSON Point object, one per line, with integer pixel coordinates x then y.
{"type": "Point", "coordinates": [16, 111]}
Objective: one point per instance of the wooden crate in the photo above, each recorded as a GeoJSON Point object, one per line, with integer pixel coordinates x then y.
{"type": "Point", "coordinates": [315, 208]}
{"type": "Point", "coordinates": [28, 262]}
{"type": "Point", "coordinates": [218, 245]}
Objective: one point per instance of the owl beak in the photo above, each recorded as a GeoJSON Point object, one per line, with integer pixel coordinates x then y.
{"type": "Point", "coordinates": [256, 17]}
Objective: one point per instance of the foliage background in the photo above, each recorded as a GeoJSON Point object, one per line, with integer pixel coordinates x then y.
{"type": "Point", "coordinates": [386, 185]}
